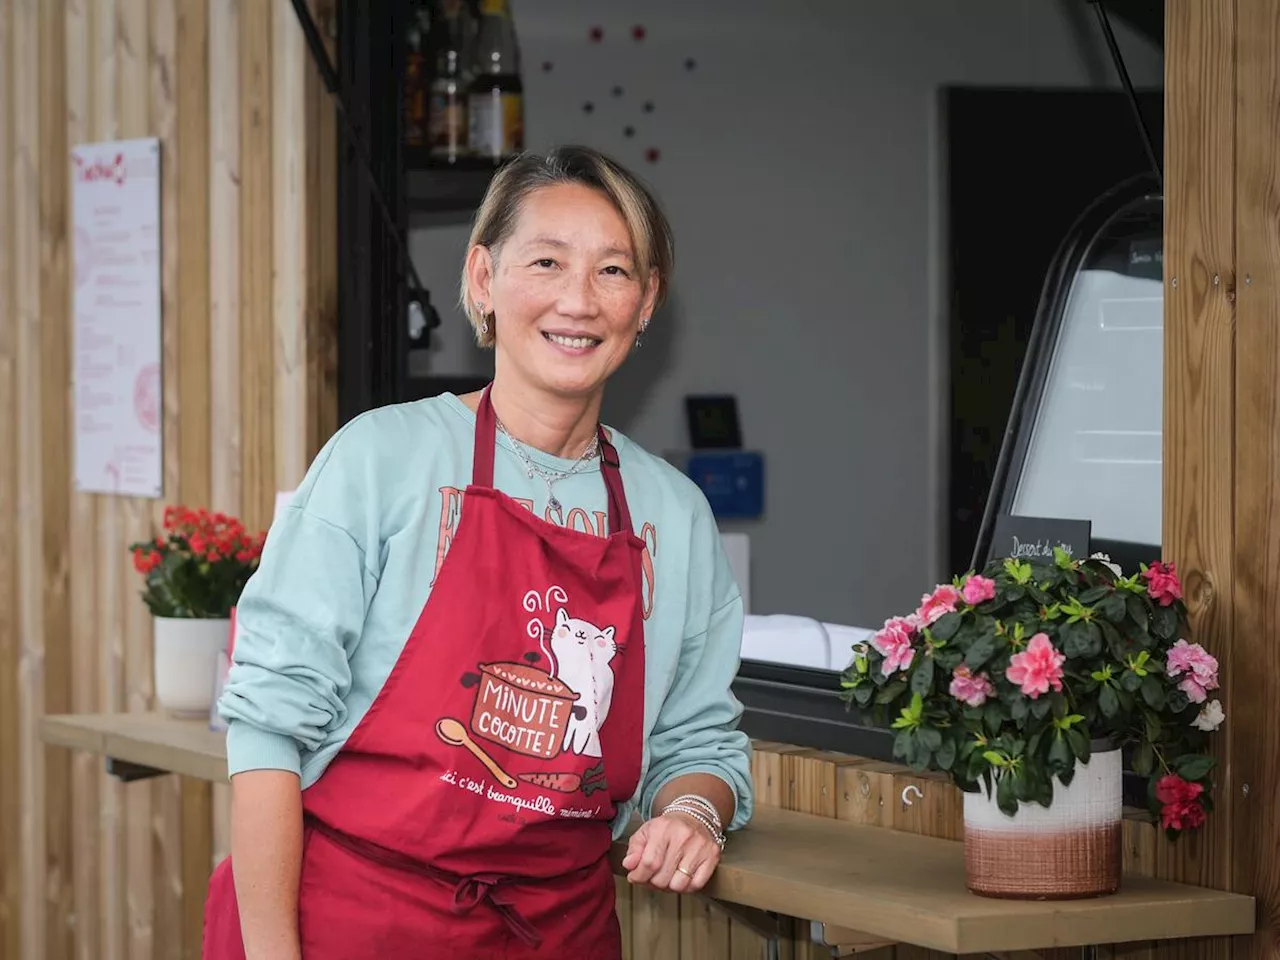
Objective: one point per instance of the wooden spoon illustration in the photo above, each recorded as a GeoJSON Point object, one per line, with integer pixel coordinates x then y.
{"type": "Point", "coordinates": [455, 734]}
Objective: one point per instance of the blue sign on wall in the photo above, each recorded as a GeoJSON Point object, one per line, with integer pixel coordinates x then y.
{"type": "Point", "coordinates": [731, 480]}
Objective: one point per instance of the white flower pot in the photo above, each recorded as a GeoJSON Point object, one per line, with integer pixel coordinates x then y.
{"type": "Point", "coordinates": [185, 657]}
{"type": "Point", "coordinates": [1070, 850]}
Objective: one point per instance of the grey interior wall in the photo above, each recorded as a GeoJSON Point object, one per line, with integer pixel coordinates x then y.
{"type": "Point", "coordinates": [800, 166]}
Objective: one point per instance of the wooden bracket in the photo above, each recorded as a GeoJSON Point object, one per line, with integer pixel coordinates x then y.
{"type": "Point", "coordinates": [760, 922]}
{"type": "Point", "coordinates": [128, 772]}
{"type": "Point", "coordinates": [847, 943]}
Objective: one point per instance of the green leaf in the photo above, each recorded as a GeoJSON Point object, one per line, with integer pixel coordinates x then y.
{"type": "Point", "coordinates": [1006, 796]}
{"type": "Point", "coordinates": [891, 691]}
{"type": "Point", "coordinates": [1130, 681]}
{"type": "Point", "coordinates": [922, 677]}
{"type": "Point", "coordinates": [1060, 757]}
{"type": "Point", "coordinates": [930, 738]}
{"type": "Point", "coordinates": [1082, 639]}
{"type": "Point", "coordinates": [980, 652]}
{"type": "Point", "coordinates": [1137, 607]}
{"type": "Point", "coordinates": [946, 626]}
{"type": "Point", "coordinates": [1193, 766]}
{"type": "Point", "coordinates": [993, 717]}
{"type": "Point", "coordinates": [1041, 706]}
{"type": "Point", "coordinates": [1108, 702]}
{"type": "Point", "coordinates": [1019, 708]}
{"type": "Point", "coordinates": [993, 758]}
{"type": "Point", "coordinates": [903, 744]}
{"type": "Point", "coordinates": [1144, 759]}
{"type": "Point", "coordinates": [1164, 621]}
{"type": "Point", "coordinates": [1066, 776]}
{"type": "Point", "coordinates": [1080, 744]}
{"type": "Point", "coordinates": [1153, 692]}
{"type": "Point", "coordinates": [945, 756]}
{"type": "Point", "coordinates": [1038, 595]}
{"type": "Point", "coordinates": [1115, 642]}
{"type": "Point", "coordinates": [1153, 726]}
{"type": "Point", "coordinates": [1093, 594]}
{"type": "Point", "coordinates": [1113, 608]}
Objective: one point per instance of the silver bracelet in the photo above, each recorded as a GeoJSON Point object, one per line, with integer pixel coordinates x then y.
{"type": "Point", "coordinates": [705, 805]}
{"type": "Point", "coordinates": [697, 815]}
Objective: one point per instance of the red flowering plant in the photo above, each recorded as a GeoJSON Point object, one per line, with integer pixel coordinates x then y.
{"type": "Point", "coordinates": [198, 566]}
{"type": "Point", "coordinates": [1012, 676]}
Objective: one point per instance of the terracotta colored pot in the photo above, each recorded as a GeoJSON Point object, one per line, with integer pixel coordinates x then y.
{"type": "Point", "coordinates": [1071, 850]}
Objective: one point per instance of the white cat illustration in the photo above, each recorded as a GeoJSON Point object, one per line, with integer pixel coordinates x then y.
{"type": "Point", "coordinates": [583, 653]}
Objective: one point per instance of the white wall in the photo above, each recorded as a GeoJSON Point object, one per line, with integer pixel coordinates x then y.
{"type": "Point", "coordinates": [799, 168]}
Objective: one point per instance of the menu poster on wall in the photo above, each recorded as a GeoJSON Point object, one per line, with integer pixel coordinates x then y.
{"type": "Point", "coordinates": [116, 367]}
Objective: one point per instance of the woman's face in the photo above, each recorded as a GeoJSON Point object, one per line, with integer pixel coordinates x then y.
{"type": "Point", "coordinates": [565, 290]}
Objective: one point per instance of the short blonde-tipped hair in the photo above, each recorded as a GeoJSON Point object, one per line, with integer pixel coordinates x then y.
{"type": "Point", "coordinates": [650, 232]}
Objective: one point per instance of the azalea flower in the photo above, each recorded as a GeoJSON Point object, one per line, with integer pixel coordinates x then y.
{"type": "Point", "coordinates": [1106, 562]}
{"type": "Point", "coordinates": [978, 590]}
{"type": "Point", "coordinates": [1180, 802]}
{"type": "Point", "coordinates": [970, 689]}
{"type": "Point", "coordinates": [1037, 668]}
{"type": "Point", "coordinates": [1197, 667]}
{"type": "Point", "coordinates": [893, 642]}
{"type": "Point", "coordinates": [1210, 717]}
{"type": "Point", "coordinates": [934, 606]}
{"type": "Point", "coordinates": [1162, 583]}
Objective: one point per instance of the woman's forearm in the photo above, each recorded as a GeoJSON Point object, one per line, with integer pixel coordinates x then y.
{"type": "Point", "coordinates": [266, 857]}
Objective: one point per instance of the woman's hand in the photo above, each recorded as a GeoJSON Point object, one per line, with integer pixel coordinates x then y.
{"type": "Point", "coordinates": [672, 852]}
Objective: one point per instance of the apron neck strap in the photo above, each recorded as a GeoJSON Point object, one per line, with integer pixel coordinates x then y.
{"type": "Point", "coordinates": [610, 466]}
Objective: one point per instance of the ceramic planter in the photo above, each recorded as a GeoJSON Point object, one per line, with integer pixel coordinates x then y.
{"type": "Point", "coordinates": [1071, 850]}
{"type": "Point", "coordinates": [186, 655]}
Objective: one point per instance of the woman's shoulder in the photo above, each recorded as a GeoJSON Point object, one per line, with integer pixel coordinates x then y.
{"type": "Point", "coordinates": [410, 440]}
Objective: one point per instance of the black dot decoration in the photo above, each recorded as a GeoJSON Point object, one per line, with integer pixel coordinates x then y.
{"type": "Point", "coordinates": [690, 64]}
{"type": "Point", "coordinates": [637, 33]}
{"type": "Point", "coordinates": [596, 34]}
{"type": "Point", "coordinates": [629, 131]}
{"type": "Point", "coordinates": [617, 91]}
{"type": "Point", "coordinates": [546, 66]}
{"type": "Point", "coordinates": [648, 106]}
{"type": "Point", "coordinates": [588, 107]}
{"type": "Point", "coordinates": [652, 154]}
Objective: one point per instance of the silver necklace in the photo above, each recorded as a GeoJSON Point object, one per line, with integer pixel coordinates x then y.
{"type": "Point", "coordinates": [548, 476]}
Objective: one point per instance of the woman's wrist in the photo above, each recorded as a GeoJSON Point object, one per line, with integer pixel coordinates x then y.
{"type": "Point", "coordinates": [700, 810]}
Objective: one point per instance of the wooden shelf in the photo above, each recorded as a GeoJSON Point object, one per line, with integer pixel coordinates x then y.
{"type": "Point", "coordinates": [878, 884]}
{"type": "Point", "coordinates": [434, 186]}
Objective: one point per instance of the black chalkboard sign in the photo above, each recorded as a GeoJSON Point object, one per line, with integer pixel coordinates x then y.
{"type": "Point", "coordinates": [1033, 538]}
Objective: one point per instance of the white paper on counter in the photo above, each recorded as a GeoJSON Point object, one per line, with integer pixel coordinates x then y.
{"type": "Point", "coordinates": [116, 372]}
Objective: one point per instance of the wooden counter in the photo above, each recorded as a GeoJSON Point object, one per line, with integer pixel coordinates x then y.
{"type": "Point", "coordinates": [891, 886]}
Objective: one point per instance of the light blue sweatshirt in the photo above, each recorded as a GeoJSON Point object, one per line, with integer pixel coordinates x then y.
{"type": "Point", "coordinates": [349, 564]}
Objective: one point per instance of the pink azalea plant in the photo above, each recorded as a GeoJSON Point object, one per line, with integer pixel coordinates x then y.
{"type": "Point", "coordinates": [1013, 675]}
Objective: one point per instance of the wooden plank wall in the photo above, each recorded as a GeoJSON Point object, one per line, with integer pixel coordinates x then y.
{"type": "Point", "coordinates": [90, 868]}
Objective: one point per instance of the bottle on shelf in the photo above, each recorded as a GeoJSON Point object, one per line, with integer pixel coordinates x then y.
{"type": "Point", "coordinates": [415, 86]}
{"type": "Point", "coordinates": [448, 45]}
{"type": "Point", "coordinates": [495, 106]}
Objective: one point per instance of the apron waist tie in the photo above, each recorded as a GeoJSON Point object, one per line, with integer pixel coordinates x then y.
{"type": "Point", "coordinates": [468, 891]}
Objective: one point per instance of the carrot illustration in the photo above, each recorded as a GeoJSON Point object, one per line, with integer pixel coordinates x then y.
{"type": "Point", "coordinates": [563, 782]}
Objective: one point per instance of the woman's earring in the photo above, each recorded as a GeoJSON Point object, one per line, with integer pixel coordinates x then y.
{"type": "Point", "coordinates": [484, 319]}
{"type": "Point", "coordinates": [644, 325]}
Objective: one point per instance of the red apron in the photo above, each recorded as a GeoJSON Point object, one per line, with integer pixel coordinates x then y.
{"type": "Point", "coordinates": [468, 814]}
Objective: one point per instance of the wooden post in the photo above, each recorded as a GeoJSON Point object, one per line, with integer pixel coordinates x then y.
{"type": "Point", "coordinates": [1222, 414]}
{"type": "Point", "coordinates": [1255, 657]}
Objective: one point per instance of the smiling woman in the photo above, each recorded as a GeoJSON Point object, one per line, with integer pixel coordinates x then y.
{"type": "Point", "coordinates": [450, 777]}
{"type": "Point", "coordinates": [571, 255]}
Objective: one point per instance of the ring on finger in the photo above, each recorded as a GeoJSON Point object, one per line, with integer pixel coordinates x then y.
{"type": "Point", "coordinates": [687, 873]}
